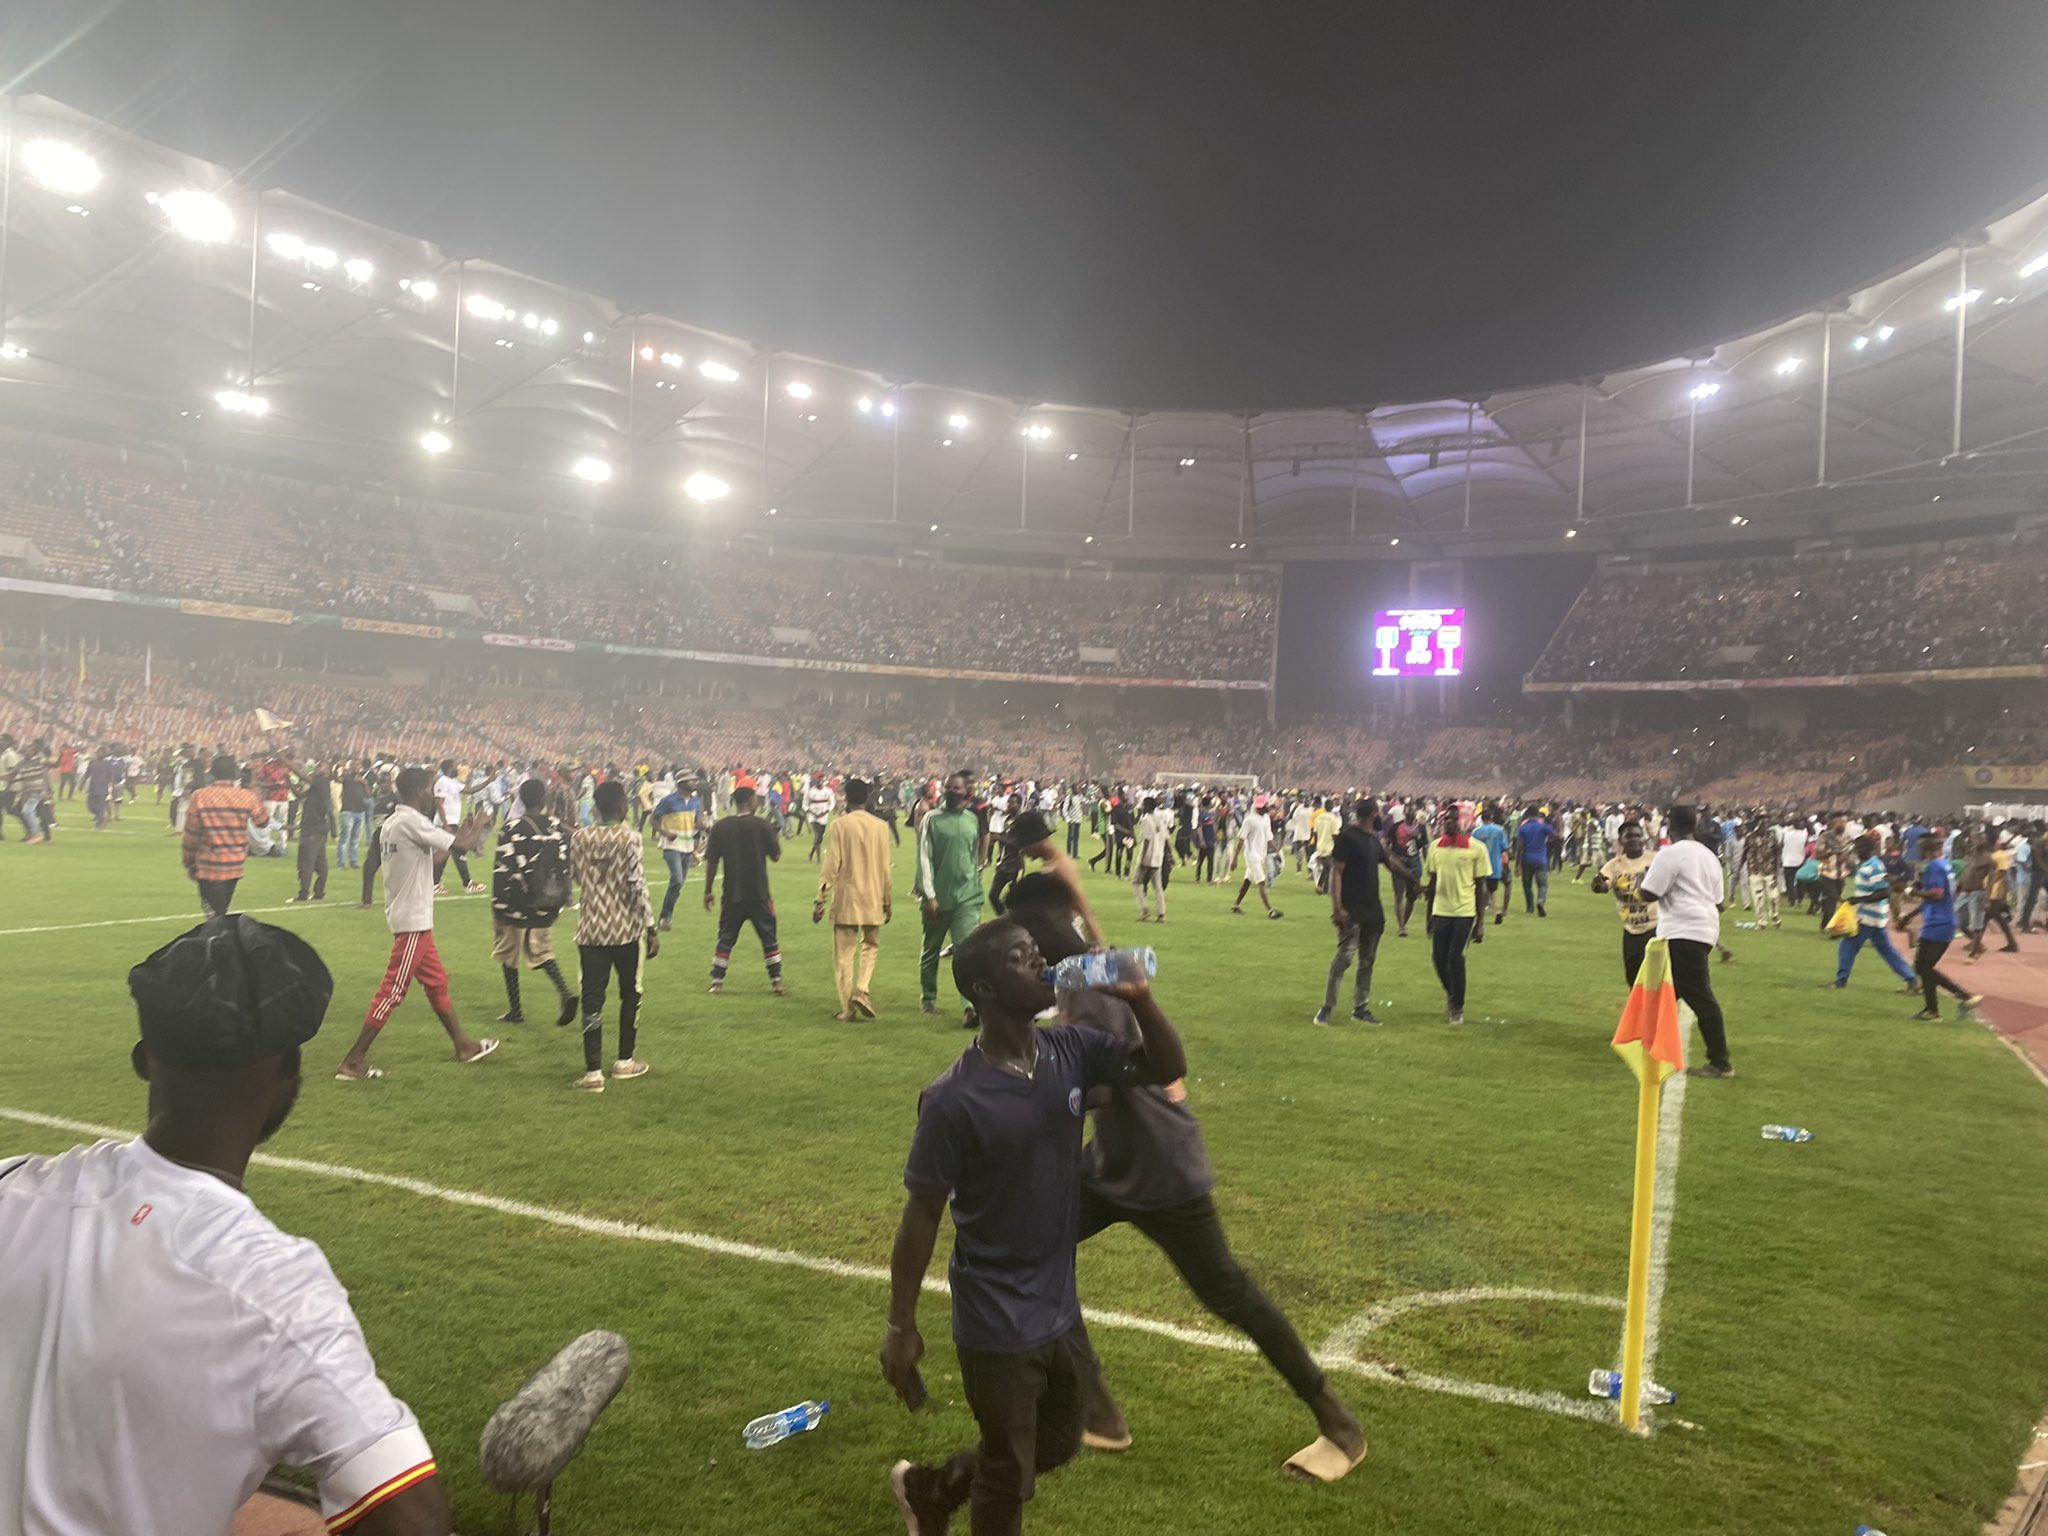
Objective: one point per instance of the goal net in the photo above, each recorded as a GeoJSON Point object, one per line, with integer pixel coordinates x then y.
{"type": "Point", "coordinates": [1175, 779]}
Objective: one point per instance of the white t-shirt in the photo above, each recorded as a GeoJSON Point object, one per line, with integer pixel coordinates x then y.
{"type": "Point", "coordinates": [165, 1345]}
{"type": "Point", "coordinates": [1687, 879]}
{"type": "Point", "coordinates": [818, 802]}
{"type": "Point", "coordinates": [1258, 836]}
{"type": "Point", "coordinates": [1153, 833]}
{"type": "Point", "coordinates": [448, 790]}
{"type": "Point", "coordinates": [1297, 823]}
{"type": "Point", "coordinates": [410, 843]}
{"type": "Point", "coordinates": [1791, 846]}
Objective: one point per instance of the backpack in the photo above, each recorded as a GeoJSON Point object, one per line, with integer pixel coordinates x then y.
{"type": "Point", "coordinates": [546, 876]}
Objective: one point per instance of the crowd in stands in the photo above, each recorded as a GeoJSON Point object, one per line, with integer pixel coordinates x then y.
{"type": "Point", "coordinates": [229, 537]}
{"type": "Point", "coordinates": [471, 718]}
{"type": "Point", "coordinates": [1807, 616]}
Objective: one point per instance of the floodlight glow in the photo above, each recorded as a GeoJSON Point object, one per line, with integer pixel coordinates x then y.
{"type": "Point", "coordinates": [320, 256]}
{"type": "Point", "coordinates": [2035, 265]}
{"type": "Point", "coordinates": [286, 244]}
{"type": "Point", "coordinates": [484, 307]}
{"type": "Point", "coordinates": [530, 320]}
{"type": "Point", "coordinates": [797, 389]}
{"type": "Point", "coordinates": [1884, 332]}
{"type": "Point", "coordinates": [888, 407]}
{"type": "Point", "coordinates": [1860, 343]}
{"type": "Point", "coordinates": [1038, 432]}
{"type": "Point", "coordinates": [1571, 533]}
{"type": "Point", "coordinates": [1787, 368]}
{"type": "Point", "coordinates": [717, 372]}
{"type": "Point", "coordinates": [703, 487]}
{"type": "Point", "coordinates": [647, 354]}
{"type": "Point", "coordinates": [12, 351]}
{"type": "Point", "coordinates": [1072, 456]}
{"type": "Point", "coordinates": [436, 442]}
{"type": "Point", "coordinates": [242, 402]}
{"type": "Point", "coordinates": [945, 442]}
{"type": "Point", "coordinates": [1956, 301]}
{"type": "Point", "coordinates": [357, 269]}
{"type": "Point", "coordinates": [1738, 521]}
{"type": "Point", "coordinates": [957, 422]}
{"type": "Point", "coordinates": [864, 405]}
{"type": "Point", "coordinates": [197, 215]}
{"type": "Point", "coordinates": [596, 471]}
{"type": "Point", "coordinates": [589, 337]}
{"type": "Point", "coordinates": [549, 327]}
{"type": "Point", "coordinates": [1187, 463]}
{"type": "Point", "coordinates": [60, 167]}
{"type": "Point", "coordinates": [672, 359]}
{"type": "Point", "coordinates": [425, 289]}
{"type": "Point", "coordinates": [1705, 391]}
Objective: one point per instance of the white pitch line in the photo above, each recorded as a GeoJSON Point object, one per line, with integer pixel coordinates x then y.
{"type": "Point", "coordinates": [199, 916]}
{"type": "Point", "coordinates": [1203, 1338]}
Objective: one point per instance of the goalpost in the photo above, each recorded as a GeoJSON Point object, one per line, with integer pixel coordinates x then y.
{"type": "Point", "coordinates": [1165, 779]}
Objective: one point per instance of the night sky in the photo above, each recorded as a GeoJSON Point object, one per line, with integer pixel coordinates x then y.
{"type": "Point", "coordinates": [1115, 203]}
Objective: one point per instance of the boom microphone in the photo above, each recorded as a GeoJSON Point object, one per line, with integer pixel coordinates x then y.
{"type": "Point", "coordinates": [539, 1429]}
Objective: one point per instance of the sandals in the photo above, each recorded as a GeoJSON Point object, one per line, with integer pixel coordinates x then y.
{"type": "Point", "coordinates": [484, 1048]}
{"type": "Point", "coordinates": [1324, 1462]}
{"type": "Point", "coordinates": [366, 1075]}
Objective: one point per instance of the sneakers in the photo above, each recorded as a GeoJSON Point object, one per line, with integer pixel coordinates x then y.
{"type": "Point", "coordinates": [715, 988]}
{"type": "Point", "coordinates": [627, 1066]}
{"type": "Point", "coordinates": [666, 924]}
{"type": "Point", "coordinates": [1968, 1006]}
{"type": "Point", "coordinates": [1454, 1017]}
{"type": "Point", "coordinates": [1539, 910]}
{"type": "Point", "coordinates": [570, 1008]}
{"type": "Point", "coordinates": [475, 888]}
{"type": "Point", "coordinates": [1321, 1016]}
{"type": "Point", "coordinates": [778, 988]}
{"type": "Point", "coordinates": [514, 1017]}
{"type": "Point", "coordinates": [931, 1008]}
{"type": "Point", "coordinates": [1709, 1070]}
{"type": "Point", "coordinates": [1274, 914]}
{"type": "Point", "coordinates": [1927, 1016]}
{"type": "Point", "coordinates": [1364, 1016]}
{"type": "Point", "coordinates": [590, 1082]}
{"type": "Point", "coordinates": [916, 1500]}
{"type": "Point", "coordinates": [440, 890]}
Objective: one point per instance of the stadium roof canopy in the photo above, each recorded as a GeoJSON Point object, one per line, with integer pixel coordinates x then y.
{"type": "Point", "coordinates": [358, 343]}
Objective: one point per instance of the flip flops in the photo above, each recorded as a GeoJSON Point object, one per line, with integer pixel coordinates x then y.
{"type": "Point", "coordinates": [862, 1006]}
{"type": "Point", "coordinates": [367, 1074]}
{"type": "Point", "coordinates": [484, 1048]}
{"type": "Point", "coordinates": [1324, 1462]}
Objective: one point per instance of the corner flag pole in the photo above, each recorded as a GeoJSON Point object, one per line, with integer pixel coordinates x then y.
{"type": "Point", "coordinates": [1649, 1040]}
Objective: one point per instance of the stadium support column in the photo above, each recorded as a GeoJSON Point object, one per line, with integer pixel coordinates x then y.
{"type": "Point", "coordinates": [6, 210]}
{"type": "Point", "coordinates": [767, 383]}
{"type": "Point", "coordinates": [455, 351]}
{"type": "Point", "coordinates": [255, 249]}
{"type": "Point", "coordinates": [895, 457]}
{"type": "Point", "coordinates": [1273, 667]}
{"type": "Point", "coordinates": [1357, 431]}
{"type": "Point", "coordinates": [1023, 482]}
{"type": "Point", "coordinates": [1692, 432]}
{"type": "Point", "coordinates": [1962, 302]}
{"type": "Point", "coordinates": [1471, 423]}
{"type": "Point", "coordinates": [1827, 370]}
{"type": "Point", "coordinates": [1131, 498]}
{"type": "Point", "coordinates": [1579, 494]}
{"type": "Point", "coordinates": [632, 394]}
{"type": "Point", "coordinates": [1244, 484]}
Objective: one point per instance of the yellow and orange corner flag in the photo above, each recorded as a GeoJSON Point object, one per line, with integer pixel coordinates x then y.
{"type": "Point", "coordinates": [1651, 1039]}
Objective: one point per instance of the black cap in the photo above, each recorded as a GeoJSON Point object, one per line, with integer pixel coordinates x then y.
{"type": "Point", "coordinates": [1027, 828]}
{"type": "Point", "coordinates": [228, 993]}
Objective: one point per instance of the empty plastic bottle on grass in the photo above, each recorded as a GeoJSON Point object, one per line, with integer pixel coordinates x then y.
{"type": "Point", "coordinates": [1868, 1530]}
{"type": "Point", "coordinates": [772, 1428]}
{"type": "Point", "coordinates": [1787, 1133]}
{"type": "Point", "coordinates": [1607, 1384]}
{"type": "Point", "coordinates": [1104, 968]}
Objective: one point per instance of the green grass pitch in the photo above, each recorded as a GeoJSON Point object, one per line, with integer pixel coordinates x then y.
{"type": "Point", "coordinates": [1853, 1326]}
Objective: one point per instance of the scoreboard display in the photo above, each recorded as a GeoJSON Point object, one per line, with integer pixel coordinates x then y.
{"type": "Point", "coordinates": [1418, 642]}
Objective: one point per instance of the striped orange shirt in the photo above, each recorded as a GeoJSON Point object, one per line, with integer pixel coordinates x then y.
{"type": "Point", "coordinates": [217, 830]}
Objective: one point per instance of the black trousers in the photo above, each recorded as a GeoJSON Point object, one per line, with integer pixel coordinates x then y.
{"type": "Point", "coordinates": [1205, 864]}
{"type": "Point", "coordinates": [1192, 1238]}
{"type": "Point", "coordinates": [461, 869]}
{"type": "Point", "coordinates": [731, 915]}
{"type": "Point", "coordinates": [1028, 1407]}
{"type": "Point", "coordinates": [1830, 898]}
{"type": "Point", "coordinates": [1926, 965]}
{"type": "Point", "coordinates": [1632, 947]}
{"type": "Point", "coordinates": [1006, 876]}
{"type": "Point", "coordinates": [1695, 988]}
{"type": "Point", "coordinates": [599, 961]}
{"type": "Point", "coordinates": [312, 862]}
{"type": "Point", "coordinates": [1447, 939]}
{"type": "Point", "coordinates": [214, 895]}
{"type": "Point", "coordinates": [370, 865]}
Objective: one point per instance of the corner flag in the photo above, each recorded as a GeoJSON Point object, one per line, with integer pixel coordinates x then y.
{"type": "Point", "coordinates": [1651, 1041]}
{"type": "Point", "coordinates": [1648, 1035]}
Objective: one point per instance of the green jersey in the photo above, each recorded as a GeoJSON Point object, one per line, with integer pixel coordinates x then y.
{"type": "Point", "coordinates": [948, 866]}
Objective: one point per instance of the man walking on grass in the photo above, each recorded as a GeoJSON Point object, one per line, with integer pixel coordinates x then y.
{"type": "Point", "coordinates": [1623, 875]}
{"type": "Point", "coordinates": [1871, 894]}
{"type": "Point", "coordinates": [316, 826]}
{"type": "Point", "coordinates": [676, 816]}
{"type": "Point", "coordinates": [415, 850]}
{"type": "Point", "coordinates": [999, 1134]}
{"type": "Point", "coordinates": [216, 842]}
{"type": "Point", "coordinates": [818, 803]}
{"type": "Point", "coordinates": [613, 921]}
{"type": "Point", "coordinates": [529, 888]}
{"type": "Point", "coordinates": [1155, 827]}
{"type": "Point", "coordinates": [1453, 905]}
{"type": "Point", "coordinates": [1684, 880]}
{"type": "Point", "coordinates": [1493, 837]}
{"type": "Point", "coordinates": [745, 845]}
{"type": "Point", "coordinates": [1258, 844]}
{"type": "Point", "coordinates": [947, 884]}
{"type": "Point", "coordinates": [1355, 860]}
{"type": "Point", "coordinates": [1936, 892]}
{"type": "Point", "coordinates": [855, 883]}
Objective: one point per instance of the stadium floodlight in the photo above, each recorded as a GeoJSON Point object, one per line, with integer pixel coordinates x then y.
{"type": "Point", "coordinates": [672, 359]}
{"type": "Point", "coordinates": [1956, 301]}
{"type": "Point", "coordinates": [647, 354]}
{"type": "Point", "coordinates": [1089, 540]}
{"type": "Point", "coordinates": [945, 442]}
{"type": "Point", "coordinates": [530, 320]}
{"type": "Point", "coordinates": [425, 289]}
{"type": "Point", "coordinates": [1187, 463]}
{"type": "Point", "coordinates": [864, 405]}
{"type": "Point", "coordinates": [1860, 343]}
{"type": "Point", "coordinates": [57, 166]}
{"type": "Point", "coordinates": [1038, 432]}
{"type": "Point", "coordinates": [589, 337]}
{"type": "Point", "coordinates": [242, 403]}
{"type": "Point", "coordinates": [357, 269]}
{"type": "Point", "coordinates": [1738, 521]}
{"type": "Point", "coordinates": [12, 351]}
{"type": "Point", "coordinates": [549, 327]}
{"type": "Point", "coordinates": [197, 215]}
{"type": "Point", "coordinates": [286, 244]}
{"type": "Point", "coordinates": [484, 307]}
{"type": "Point", "coordinates": [85, 213]}
{"type": "Point", "coordinates": [1392, 543]}
{"type": "Point", "coordinates": [797, 389]}
{"type": "Point", "coordinates": [1884, 332]}
{"type": "Point", "coordinates": [717, 372]}
{"type": "Point", "coordinates": [957, 421]}
{"type": "Point", "coordinates": [436, 441]}
{"type": "Point", "coordinates": [2036, 265]}
{"type": "Point", "coordinates": [1787, 368]}
{"type": "Point", "coordinates": [703, 487]}
{"type": "Point", "coordinates": [1072, 456]}
{"type": "Point", "coordinates": [935, 527]}
{"type": "Point", "coordinates": [596, 471]}
{"type": "Point", "coordinates": [1704, 391]}
{"type": "Point", "coordinates": [1571, 533]}
{"type": "Point", "coordinates": [320, 256]}
{"type": "Point", "coordinates": [888, 407]}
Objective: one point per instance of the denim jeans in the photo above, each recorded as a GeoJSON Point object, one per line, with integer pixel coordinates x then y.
{"type": "Point", "coordinates": [678, 862]}
{"type": "Point", "coordinates": [1874, 935]}
{"type": "Point", "coordinates": [350, 851]}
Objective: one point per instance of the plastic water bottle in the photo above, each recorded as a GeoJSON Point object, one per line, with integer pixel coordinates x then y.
{"type": "Point", "coordinates": [1607, 1384]}
{"type": "Point", "coordinates": [1103, 968]}
{"type": "Point", "coordinates": [1868, 1530]}
{"type": "Point", "coordinates": [772, 1428]}
{"type": "Point", "coordinates": [1787, 1133]}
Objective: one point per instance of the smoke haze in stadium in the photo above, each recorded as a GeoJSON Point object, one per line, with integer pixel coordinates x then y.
{"type": "Point", "coordinates": [1137, 204]}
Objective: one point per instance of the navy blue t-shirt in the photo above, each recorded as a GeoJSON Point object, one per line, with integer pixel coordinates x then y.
{"type": "Point", "coordinates": [1534, 836]}
{"type": "Point", "coordinates": [1008, 1151]}
{"type": "Point", "coordinates": [1938, 907]}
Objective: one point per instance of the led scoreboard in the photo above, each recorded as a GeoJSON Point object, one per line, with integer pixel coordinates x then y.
{"type": "Point", "coordinates": [1418, 642]}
